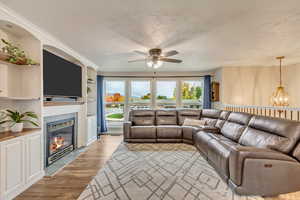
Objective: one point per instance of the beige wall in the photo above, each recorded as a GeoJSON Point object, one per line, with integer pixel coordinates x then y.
{"type": "Point", "coordinates": [254, 85]}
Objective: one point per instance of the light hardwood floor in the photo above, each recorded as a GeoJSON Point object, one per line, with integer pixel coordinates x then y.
{"type": "Point", "coordinates": [72, 179]}
{"type": "Point", "coordinates": [68, 183]}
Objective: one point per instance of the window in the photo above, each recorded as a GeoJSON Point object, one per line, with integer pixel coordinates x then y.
{"type": "Point", "coordinates": [191, 93]}
{"type": "Point", "coordinates": [166, 94]}
{"type": "Point", "coordinates": [114, 101]}
{"type": "Point", "coordinates": [124, 94]}
{"type": "Point", "coordinates": [140, 96]}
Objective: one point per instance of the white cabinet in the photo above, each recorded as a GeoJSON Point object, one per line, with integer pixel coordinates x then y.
{"type": "Point", "coordinates": [92, 129]}
{"type": "Point", "coordinates": [34, 157]}
{"type": "Point", "coordinates": [12, 167]}
{"type": "Point", "coordinates": [21, 164]}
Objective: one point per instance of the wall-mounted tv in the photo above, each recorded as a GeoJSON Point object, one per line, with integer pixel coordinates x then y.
{"type": "Point", "coordinates": [61, 77]}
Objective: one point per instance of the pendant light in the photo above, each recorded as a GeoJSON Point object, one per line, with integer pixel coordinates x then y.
{"type": "Point", "coordinates": [280, 96]}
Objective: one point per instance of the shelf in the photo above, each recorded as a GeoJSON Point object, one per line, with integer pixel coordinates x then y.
{"type": "Point", "coordinates": [20, 66]}
{"type": "Point", "coordinates": [61, 103]}
{"type": "Point", "coordinates": [91, 100]}
{"type": "Point", "coordinates": [7, 135]}
{"type": "Point", "coordinates": [22, 98]}
{"type": "Point", "coordinates": [91, 82]}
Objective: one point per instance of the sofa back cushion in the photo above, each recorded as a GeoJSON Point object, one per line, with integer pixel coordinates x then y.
{"type": "Point", "coordinates": [235, 125]}
{"type": "Point", "coordinates": [273, 133]}
{"type": "Point", "coordinates": [194, 122]}
{"type": "Point", "coordinates": [222, 119]}
{"type": "Point", "coordinates": [166, 117]}
{"type": "Point", "coordinates": [211, 116]}
{"type": "Point", "coordinates": [142, 117]}
{"type": "Point", "coordinates": [188, 113]}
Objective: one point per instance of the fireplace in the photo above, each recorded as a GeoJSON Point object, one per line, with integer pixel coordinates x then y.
{"type": "Point", "coordinates": [60, 139]}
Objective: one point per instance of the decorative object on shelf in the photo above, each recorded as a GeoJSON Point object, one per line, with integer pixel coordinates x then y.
{"type": "Point", "coordinates": [280, 97]}
{"type": "Point", "coordinates": [17, 119]}
{"type": "Point", "coordinates": [13, 54]}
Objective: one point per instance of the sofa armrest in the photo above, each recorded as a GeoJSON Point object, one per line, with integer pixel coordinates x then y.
{"type": "Point", "coordinates": [126, 129]}
{"type": "Point", "coordinates": [239, 154]}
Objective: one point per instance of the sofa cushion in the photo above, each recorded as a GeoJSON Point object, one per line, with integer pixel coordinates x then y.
{"type": "Point", "coordinates": [142, 117]}
{"type": "Point", "coordinates": [220, 137]}
{"type": "Point", "coordinates": [211, 116]}
{"type": "Point", "coordinates": [143, 132]}
{"type": "Point", "coordinates": [169, 132]}
{"type": "Point", "coordinates": [188, 113]}
{"type": "Point", "coordinates": [235, 125]}
{"type": "Point", "coordinates": [201, 139]}
{"type": "Point", "coordinates": [166, 117]}
{"type": "Point", "coordinates": [188, 131]}
{"type": "Point", "coordinates": [218, 154]}
{"type": "Point", "coordinates": [194, 122]}
{"type": "Point", "coordinates": [265, 132]}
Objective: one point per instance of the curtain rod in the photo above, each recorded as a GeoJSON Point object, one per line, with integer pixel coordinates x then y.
{"type": "Point", "coordinates": [200, 76]}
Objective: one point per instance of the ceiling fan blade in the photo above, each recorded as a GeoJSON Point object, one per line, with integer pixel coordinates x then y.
{"type": "Point", "coordinates": [141, 53]}
{"type": "Point", "coordinates": [171, 53]}
{"type": "Point", "coordinates": [170, 60]}
{"type": "Point", "coordinates": [137, 60]}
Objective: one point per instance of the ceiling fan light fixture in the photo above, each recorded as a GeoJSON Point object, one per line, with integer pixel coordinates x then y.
{"type": "Point", "coordinates": [154, 63]}
{"type": "Point", "coordinates": [155, 58]}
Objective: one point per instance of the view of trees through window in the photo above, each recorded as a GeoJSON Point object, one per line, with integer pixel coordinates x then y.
{"type": "Point", "coordinates": [140, 96]}
{"type": "Point", "coordinates": [140, 91]}
{"type": "Point", "coordinates": [114, 100]}
{"type": "Point", "coordinates": [166, 94]}
{"type": "Point", "coordinates": [191, 93]}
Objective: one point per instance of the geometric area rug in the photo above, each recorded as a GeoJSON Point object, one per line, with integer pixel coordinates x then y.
{"type": "Point", "coordinates": [160, 171]}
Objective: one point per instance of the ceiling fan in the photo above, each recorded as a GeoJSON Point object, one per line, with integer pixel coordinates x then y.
{"type": "Point", "coordinates": [155, 57]}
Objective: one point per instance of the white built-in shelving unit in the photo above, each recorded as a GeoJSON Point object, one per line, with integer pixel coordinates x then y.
{"type": "Point", "coordinates": [21, 156]}
{"type": "Point", "coordinates": [91, 104]}
{"type": "Point", "coordinates": [21, 88]}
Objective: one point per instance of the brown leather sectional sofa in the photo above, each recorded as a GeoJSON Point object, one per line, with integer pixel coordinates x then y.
{"type": "Point", "coordinates": [256, 155]}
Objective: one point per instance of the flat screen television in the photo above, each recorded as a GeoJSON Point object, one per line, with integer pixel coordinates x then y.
{"type": "Point", "coordinates": [61, 77]}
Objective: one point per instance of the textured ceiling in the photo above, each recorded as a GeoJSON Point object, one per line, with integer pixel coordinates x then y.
{"type": "Point", "coordinates": [207, 33]}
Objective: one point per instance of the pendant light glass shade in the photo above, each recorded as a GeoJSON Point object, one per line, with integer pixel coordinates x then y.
{"type": "Point", "coordinates": [280, 97]}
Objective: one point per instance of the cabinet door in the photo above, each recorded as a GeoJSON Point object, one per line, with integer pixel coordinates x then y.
{"type": "Point", "coordinates": [3, 80]}
{"type": "Point", "coordinates": [34, 157]}
{"type": "Point", "coordinates": [12, 167]}
{"type": "Point", "coordinates": [92, 129]}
